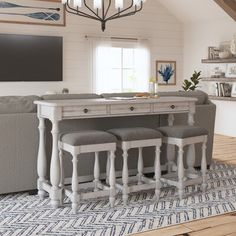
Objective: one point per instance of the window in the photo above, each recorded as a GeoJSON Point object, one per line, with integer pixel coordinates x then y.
{"type": "Point", "coordinates": [121, 67]}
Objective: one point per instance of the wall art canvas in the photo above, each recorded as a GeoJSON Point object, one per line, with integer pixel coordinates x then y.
{"type": "Point", "coordinates": [166, 72]}
{"type": "Point", "coordinates": [32, 12]}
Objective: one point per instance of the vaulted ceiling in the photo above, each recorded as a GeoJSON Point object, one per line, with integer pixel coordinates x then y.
{"type": "Point", "coordinates": [195, 10]}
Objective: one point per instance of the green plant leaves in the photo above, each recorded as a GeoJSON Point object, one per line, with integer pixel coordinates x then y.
{"type": "Point", "coordinates": [191, 85]}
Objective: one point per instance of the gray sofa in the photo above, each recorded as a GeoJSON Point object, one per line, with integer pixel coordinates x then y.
{"type": "Point", "coordinates": [19, 136]}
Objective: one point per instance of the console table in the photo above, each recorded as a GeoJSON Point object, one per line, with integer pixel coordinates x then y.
{"type": "Point", "coordinates": [58, 110]}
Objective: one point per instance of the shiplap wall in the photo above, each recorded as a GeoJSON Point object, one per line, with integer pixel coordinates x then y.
{"type": "Point", "coordinates": [155, 23]}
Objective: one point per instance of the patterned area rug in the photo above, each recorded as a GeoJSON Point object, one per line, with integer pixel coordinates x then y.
{"type": "Point", "coordinates": [21, 214]}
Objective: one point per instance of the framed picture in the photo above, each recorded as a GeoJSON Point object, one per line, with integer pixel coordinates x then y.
{"type": "Point", "coordinates": [213, 53]}
{"type": "Point", "coordinates": [32, 12]}
{"type": "Point", "coordinates": [231, 70]}
{"type": "Point", "coordinates": [166, 72]}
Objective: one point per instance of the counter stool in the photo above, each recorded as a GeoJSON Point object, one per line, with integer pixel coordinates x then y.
{"type": "Point", "coordinates": [181, 136]}
{"type": "Point", "coordinates": [85, 142]}
{"type": "Point", "coordinates": [138, 138]}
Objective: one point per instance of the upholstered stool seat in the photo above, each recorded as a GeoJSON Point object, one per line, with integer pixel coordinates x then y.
{"type": "Point", "coordinates": [84, 142]}
{"type": "Point", "coordinates": [137, 133]}
{"type": "Point", "coordinates": [139, 137]}
{"type": "Point", "coordinates": [182, 131]}
{"type": "Point", "coordinates": [182, 136]}
{"type": "Point", "coordinates": [87, 137]}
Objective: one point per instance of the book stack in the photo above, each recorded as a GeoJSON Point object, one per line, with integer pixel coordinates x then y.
{"type": "Point", "coordinates": [223, 89]}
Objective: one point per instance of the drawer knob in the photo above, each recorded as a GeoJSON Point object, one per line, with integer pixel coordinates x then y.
{"type": "Point", "coordinates": [131, 108]}
{"type": "Point", "coordinates": [172, 106]}
{"type": "Point", "coordinates": [86, 110]}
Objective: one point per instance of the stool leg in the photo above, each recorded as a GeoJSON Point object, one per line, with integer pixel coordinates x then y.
{"type": "Point", "coordinates": [170, 158]}
{"type": "Point", "coordinates": [191, 158]}
{"type": "Point", "coordinates": [112, 179]}
{"type": "Point", "coordinates": [204, 167]}
{"type": "Point", "coordinates": [140, 165]}
{"type": "Point", "coordinates": [181, 172]}
{"type": "Point", "coordinates": [157, 167]}
{"type": "Point", "coordinates": [75, 187]}
{"type": "Point", "coordinates": [125, 176]}
{"type": "Point", "coordinates": [108, 170]}
{"type": "Point", "coordinates": [61, 185]}
{"type": "Point", "coordinates": [96, 171]}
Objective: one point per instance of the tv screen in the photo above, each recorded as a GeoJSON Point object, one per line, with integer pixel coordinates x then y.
{"type": "Point", "coordinates": [30, 58]}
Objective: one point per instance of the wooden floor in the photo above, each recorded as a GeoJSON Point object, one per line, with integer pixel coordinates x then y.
{"type": "Point", "coordinates": [224, 150]}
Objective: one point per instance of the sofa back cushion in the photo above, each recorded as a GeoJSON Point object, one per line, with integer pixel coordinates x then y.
{"type": "Point", "coordinates": [202, 97]}
{"type": "Point", "coordinates": [70, 96]}
{"type": "Point", "coordinates": [18, 104]}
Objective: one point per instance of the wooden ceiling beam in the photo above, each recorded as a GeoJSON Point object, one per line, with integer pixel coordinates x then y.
{"type": "Point", "coordinates": [229, 6]}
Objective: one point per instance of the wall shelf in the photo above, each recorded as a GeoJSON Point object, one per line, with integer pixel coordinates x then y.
{"type": "Point", "coordinates": [216, 61]}
{"type": "Point", "coordinates": [222, 79]}
{"type": "Point", "coordinates": [222, 98]}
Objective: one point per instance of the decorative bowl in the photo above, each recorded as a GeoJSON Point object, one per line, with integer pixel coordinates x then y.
{"type": "Point", "coordinates": [224, 55]}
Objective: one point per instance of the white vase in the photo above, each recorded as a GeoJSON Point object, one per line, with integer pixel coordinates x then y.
{"type": "Point", "coordinates": [233, 46]}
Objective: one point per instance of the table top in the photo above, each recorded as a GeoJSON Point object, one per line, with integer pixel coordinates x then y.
{"type": "Point", "coordinates": [111, 101]}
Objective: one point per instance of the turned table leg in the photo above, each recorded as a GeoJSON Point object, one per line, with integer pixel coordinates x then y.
{"type": "Point", "coordinates": [42, 161]}
{"type": "Point", "coordinates": [112, 179]}
{"type": "Point", "coordinates": [125, 176]}
{"type": "Point", "coordinates": [191, 148]}
{"type": "Point", "coordinates": [170, 148]}
{"type": "Point", "coordinates": [55, 171]}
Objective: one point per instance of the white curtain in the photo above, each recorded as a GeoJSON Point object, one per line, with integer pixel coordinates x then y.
{"type": "Point", "coordinates": [142, 66]}
{"type": "Point", "coordinates": [102, 74]}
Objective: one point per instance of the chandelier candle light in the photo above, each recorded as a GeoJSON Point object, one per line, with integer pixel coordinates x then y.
{"type": "Point", "coordinates": [99, 9]}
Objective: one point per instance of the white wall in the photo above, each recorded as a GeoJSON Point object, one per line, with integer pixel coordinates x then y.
{"type": "Point", "coordinates": [155, 23]}
{"type": "Point", "coordinates": [197, 37]}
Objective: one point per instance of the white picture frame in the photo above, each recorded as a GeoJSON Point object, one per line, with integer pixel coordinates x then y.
{"type": "Point", "coordinates": [231, 70]}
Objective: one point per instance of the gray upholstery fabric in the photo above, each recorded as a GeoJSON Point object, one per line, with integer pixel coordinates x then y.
{"type": "Point", "coordinates": [19, 149]}
{"type": "Point", "coordinates": [87, 137]}
{"type": "Point", "coordinates": [201, 96]}
{"type": "Point", "coordinates": [18, 104]}
{"type": "Point", "coordinates": [136, 133]}
{"type": "Point", "coordinates": [182, 131]}
{"type": "Point", "coordinates": [70, 96]}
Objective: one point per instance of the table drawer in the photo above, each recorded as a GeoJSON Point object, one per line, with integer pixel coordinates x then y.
{"type": "Point", "coordinates": [171, 107]}
{"type": "Point", "coordinates": [75, 111]}
{"type": "Point", "coordinates": [130, 109]}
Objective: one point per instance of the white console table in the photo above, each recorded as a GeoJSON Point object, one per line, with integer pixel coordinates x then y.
{"type": "Point", "coordinates": [58, 110]}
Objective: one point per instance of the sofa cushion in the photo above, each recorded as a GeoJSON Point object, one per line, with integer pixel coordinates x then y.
{"type": "Point", "coordinates": [18, 104]}
{"type": "Point", "coordinates": [136, 133]}
{"type": "Point", "coordinates": [201, 96]}
{"type": "Point", "coordinates": [182, 131]}
{"type": "Point", "coordinates": [70, 96]}
{"type": "Point", "coordinates": [87, 137]}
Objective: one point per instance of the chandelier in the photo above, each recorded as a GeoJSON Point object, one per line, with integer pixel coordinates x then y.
{"type": "Point", "coordinates": [99, 9]}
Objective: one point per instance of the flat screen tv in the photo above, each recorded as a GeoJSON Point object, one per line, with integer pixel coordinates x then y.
{"type": "Point", "coordinates": [30, 58]}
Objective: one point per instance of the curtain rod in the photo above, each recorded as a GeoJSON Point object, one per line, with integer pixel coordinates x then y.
{"type": "Point", "coordinates": [115, 38]}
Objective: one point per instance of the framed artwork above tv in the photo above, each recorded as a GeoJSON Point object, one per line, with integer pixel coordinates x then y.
{"type": "Point", "coordinates": [51, 13]}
